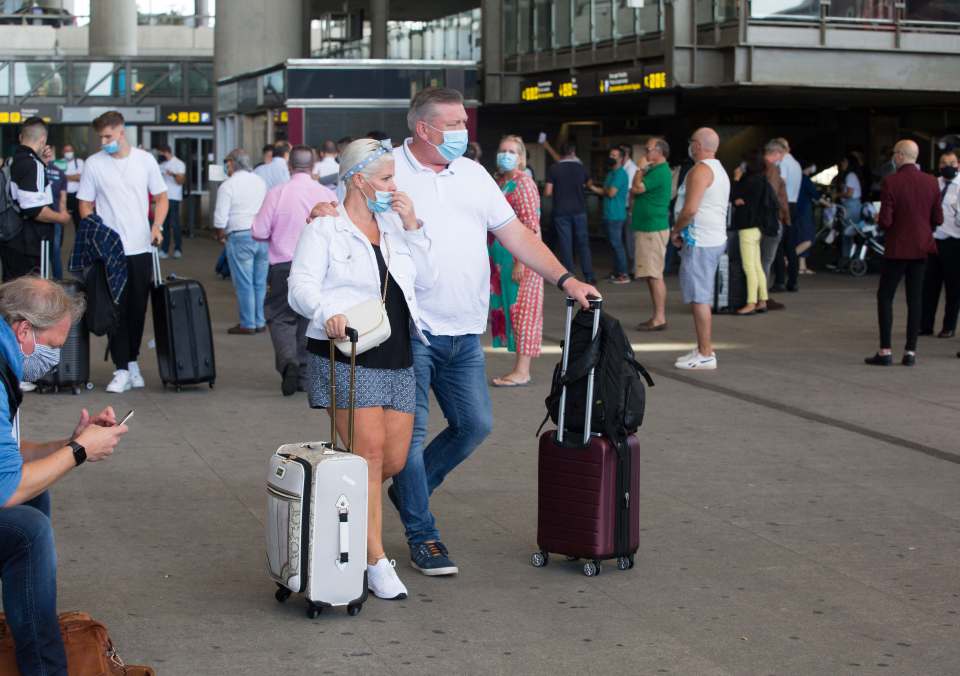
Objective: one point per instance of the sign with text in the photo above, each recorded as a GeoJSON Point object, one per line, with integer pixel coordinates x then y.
{"type": "Point", "coordinates": [185, 115]}
{"type": "Point", "coordinates": [634, 80]}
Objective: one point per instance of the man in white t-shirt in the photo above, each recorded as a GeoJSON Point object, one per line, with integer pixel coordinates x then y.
{"type": "Point", "coordinates": [73, 168]}
{"type": "Point", "coordinates": [460, 204]}
{"type": "Point", "coordinates": [118, 181]}
{"type": "Point", "coordinates": [174, 173]}
{"type": "Point", "coordinates": [327, 169]}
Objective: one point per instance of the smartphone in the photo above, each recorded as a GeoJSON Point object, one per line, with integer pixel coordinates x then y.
{"type": "Point", "coordinates": [127, 417]}
{"type": "Point", "coordinates": [542, 138]}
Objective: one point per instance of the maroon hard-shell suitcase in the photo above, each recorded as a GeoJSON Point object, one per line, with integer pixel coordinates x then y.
{"type": "Point", "coordinates": [587, 506]}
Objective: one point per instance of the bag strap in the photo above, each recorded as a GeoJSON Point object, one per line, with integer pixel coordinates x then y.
{"type": "Point", "coordinates": [12, 385]}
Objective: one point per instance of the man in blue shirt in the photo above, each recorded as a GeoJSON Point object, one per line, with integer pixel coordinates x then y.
{"type": "Point", "coordinates": [35, 318]}
{"type": "Point", "coordinates": [616, 188]}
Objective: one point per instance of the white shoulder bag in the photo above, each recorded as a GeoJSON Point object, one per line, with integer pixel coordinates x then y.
{"type": "Point", "coordinates": [369, 318]}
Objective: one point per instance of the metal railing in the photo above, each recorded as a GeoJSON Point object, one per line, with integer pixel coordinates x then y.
{"type": "Point", "coordinates": [91, 80]}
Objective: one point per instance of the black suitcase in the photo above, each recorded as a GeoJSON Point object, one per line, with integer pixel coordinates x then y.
{"type": "Point", "coordinates": [181, 325]}
{"type": "Point", "coordinates": [730, 290]}
{"type": "Point", "coordinates": [73, 371]}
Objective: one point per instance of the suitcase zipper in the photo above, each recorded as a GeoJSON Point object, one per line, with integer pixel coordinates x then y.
{"type": "Point", "coordinates": [280, 493]}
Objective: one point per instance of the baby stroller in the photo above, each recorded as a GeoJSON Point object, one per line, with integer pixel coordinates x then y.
{"type": "Point", "coordinates": [865, 241]}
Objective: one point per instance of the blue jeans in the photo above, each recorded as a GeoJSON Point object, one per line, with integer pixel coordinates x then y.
{"type": "Point", "coordinates": [248, 270]}
{"type": "Point", "coordinates": [172, 222]}
{"type": "Point", "coordinates": [614, 231]}
{"type": "Point", "coordinates": [572, 234]}
{"type": "Point", "coordinates": [28, 569]}
{"type": "Point", "coordinates": [57, 264]}
{"type": "Point", "coordinates": [455, 368]}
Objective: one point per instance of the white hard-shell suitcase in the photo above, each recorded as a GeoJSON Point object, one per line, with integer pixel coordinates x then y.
{"type": "Point", "coordinates": [316, 527]}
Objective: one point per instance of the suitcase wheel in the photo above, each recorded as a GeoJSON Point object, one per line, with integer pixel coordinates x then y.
{"type": "Point", "coordinates": [282, 594]}
{"type": "Point", "coordinates": [592, 568]}
{"type": "Point", "coordinates": [211, 384]}
{"type": "Point", "coordinates": [313, 612]}
{"type": "Point", "coordinates": [353, 611]}
{"type": "Point", "coordinates": [540, 559]}
{"type": "Point", "coordinates": [624, 563]}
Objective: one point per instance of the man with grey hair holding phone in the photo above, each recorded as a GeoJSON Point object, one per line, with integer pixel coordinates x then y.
{"type": "Point", "coordinates": [35, 319]}
{"type": "Point", "coordinates": [279, 222]}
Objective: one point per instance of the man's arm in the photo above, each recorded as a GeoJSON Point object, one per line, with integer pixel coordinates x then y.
{"type": "Point", "coordinates": [221, 212]}
{"type": "Point", "coordinates": [550, 151]}
{"type": "Point", "coordinates": [84, 208]}
{"type": "Point", "coordinates": [698, 180]}
{"type": "Point", "coordinates": [638, 187]}
{"type": "Point", "coordinates": [887, 204]}
{"type": "Point", "coordinates": [936, 212]}
{"type": "Point", "coordinates": [548, 190]}
{"type": "Point", "coordinates": [48, 215]}
{"type": "Point", "coordinates": [160, 210]}
{"type": "Point", "coordinates": [530, 250]}
{"type": "Point", "coordinates": [263, 221]}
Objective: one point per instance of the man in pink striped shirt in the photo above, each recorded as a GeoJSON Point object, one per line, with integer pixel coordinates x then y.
{"type": "Point", "coordinates": [279, 222]}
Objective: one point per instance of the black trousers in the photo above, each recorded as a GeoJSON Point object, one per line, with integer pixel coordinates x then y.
{"type": "Point", "coordinates": [17, 264]}
{"type": "Point", "coordinates": [891, 271]}
{"type": "Point", "coordinates": [789, 268]}
{"type": "Point", "coordinates": [943, 270]}
{"type": "Point", "coordinates": [125, 340]}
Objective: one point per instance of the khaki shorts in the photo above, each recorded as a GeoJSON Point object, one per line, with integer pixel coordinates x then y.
{"type": "Point", "coordinates": [651, 250]}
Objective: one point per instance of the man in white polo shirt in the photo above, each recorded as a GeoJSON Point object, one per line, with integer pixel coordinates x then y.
{"type": "Point", "coordinates": [461, 204]}
{"type": "Point", "coordinates": [119, 181]}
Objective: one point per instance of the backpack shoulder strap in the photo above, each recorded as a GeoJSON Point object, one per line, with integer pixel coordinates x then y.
{"type": "Point", "coordinates": [12, 386]}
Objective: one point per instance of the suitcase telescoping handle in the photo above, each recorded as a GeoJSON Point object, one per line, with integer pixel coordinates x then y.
{"type": "Point", "coordinates": [45, 258]}
{"type": "Point", "coordinates": [595, 306]}
{"type": "Point", "coordinates": [157, 275]}
{"type": "Point", "coordinates": [354, 336]}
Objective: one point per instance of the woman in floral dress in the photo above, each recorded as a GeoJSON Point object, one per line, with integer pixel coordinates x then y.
{"type": "Point", "coordinates": [516, 292]}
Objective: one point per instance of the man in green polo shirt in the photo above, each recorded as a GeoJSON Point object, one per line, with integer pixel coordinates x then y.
{"type": "Point", "coordinates": [652, 189]}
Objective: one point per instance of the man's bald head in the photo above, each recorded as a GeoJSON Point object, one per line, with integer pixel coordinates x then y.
{"type": "Point", "coordinates": [905, 152]}
{"type": "Point", "coordinates": [705, 143]}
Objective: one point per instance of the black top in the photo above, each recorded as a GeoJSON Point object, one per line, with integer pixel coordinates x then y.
{"type": "Point", "coordinates": [568, 178]}
{"type": "Point", "coordinates": [750, 189]}
{"type": "Point", "coordinates": [30, 176]}
{"type": "Point", "coordinates": [396, 352]}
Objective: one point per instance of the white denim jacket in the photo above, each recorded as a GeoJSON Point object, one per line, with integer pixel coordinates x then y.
{"type": "Point", "coordinates": [334, 268]}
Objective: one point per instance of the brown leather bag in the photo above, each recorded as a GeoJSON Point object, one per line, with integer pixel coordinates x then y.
{"type": "Point", "coordinates": [90, 651]}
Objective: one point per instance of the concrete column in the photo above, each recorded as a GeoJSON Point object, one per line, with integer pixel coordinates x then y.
{"type": "Point", "coordinates": [491, 50]}
{"type": "Point", "coordinates": [379, 13]}
{"type": "Point", "coordinates": [113, 28]}
{"type": "Point", "coordinates": [202, 9]}
{"type": "Point", "coordinates": [254, 34]}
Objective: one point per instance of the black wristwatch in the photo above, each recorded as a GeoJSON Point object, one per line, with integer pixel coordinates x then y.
{"type": "Point", "coordinates": [563, 278]}
{"type": "Point", "coordinates": [79, 453]}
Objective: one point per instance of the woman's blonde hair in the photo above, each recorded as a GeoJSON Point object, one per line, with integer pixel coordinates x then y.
{"type": "Point", "coordinates": [363, 157]}
{"type": "Point", "coordinates": [522, 150]}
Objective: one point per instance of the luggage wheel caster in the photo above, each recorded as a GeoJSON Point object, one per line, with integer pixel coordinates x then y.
{"type": "Point", "coordinates": [624, 563]}
{"type": "Point", "coordinates": [76, 390]}
{"type": "Point", "coordinates": [313, 612]}
{"type": "Point", "coordinates": [282, 594]}
{"type": "Point", "coordinates": [353, 611]}
{"type": "Point", "coordinates": [211, 386]}
{"type": "Point", "coordinates": [540, 559]}
{"type": "Point", "coordinates": [632, 561]}
{"type": "Point", "coordinates": [592, 568]}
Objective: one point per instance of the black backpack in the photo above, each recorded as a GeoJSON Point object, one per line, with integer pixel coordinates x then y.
{"type": "Point", "coordinates": [11, 222]}
{"type": "Point", "coordinates": [619, 396]}
{"type": "Point", "coordinates": [768, 211]}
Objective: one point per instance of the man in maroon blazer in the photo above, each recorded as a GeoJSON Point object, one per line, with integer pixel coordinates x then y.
{"type": "Point", "coordinates": [909, 213]}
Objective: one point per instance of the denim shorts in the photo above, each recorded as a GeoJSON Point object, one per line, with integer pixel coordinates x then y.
{"type": "Point", "coordinates": [698, 272]}
{"type": "Point", "coordinates": [389, 388]}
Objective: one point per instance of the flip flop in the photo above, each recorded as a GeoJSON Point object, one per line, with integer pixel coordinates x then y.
{"type": "Point", "coordinates": [647, 326]}
{"type": "Point", "coordinates": [504, 382]}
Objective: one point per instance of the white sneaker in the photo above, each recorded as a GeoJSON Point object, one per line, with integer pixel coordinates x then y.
{"type": "Point", "coordinates": [177, 253]}
{"type": "Point", "coordinates": [27, 387]}
{"type": "Point", "coordinates": [698, 362]}
{"type": "Point", "coordinates": [164, 255]}
{"type": "Point", "coordinates": [688, 356]}
{"type": "Point", "coordinates": [136, 379]}
{"type": "Point", "coordinates": [120, 382]}
{"type": "Point", "coordinates": [383, 581]}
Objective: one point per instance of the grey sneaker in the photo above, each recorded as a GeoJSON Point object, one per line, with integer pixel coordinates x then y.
{"type": "Point", "coordinates": [430, 558]}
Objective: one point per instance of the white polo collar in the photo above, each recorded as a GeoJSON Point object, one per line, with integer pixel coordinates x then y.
{"type": "Point", "coordinates": [417, 166]}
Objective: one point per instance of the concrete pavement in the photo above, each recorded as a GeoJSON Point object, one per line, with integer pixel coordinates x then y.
{"type": "Point", "coordinates": [800, 514]}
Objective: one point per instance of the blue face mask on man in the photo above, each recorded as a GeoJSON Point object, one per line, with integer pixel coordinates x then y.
{"type": "Point", "coordinates": [507, 161]}
{"type": "Point", "coordinates": [41, 362]}
{"type": "Point", "coordinates": [113, 147]}
{"type": "Point", "coordinates": [454, 143]}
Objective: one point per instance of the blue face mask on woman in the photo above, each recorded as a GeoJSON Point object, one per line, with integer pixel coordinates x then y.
{"type": "Point", "coordinates": [41, 362]}
{"type": "Point", "coordinates": [381, 202]}
{"type": "Point", "coordinates": [113, 147]}
{"type": "Point", "coordinates": [506, 161]}
{"type": "Point", "coordinates": [454, 143]}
